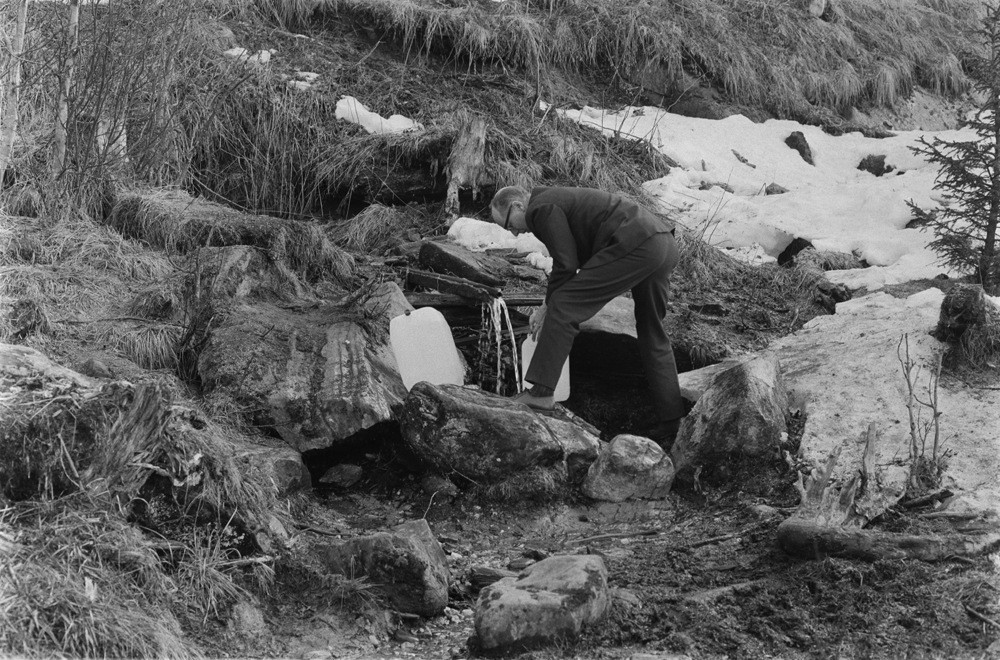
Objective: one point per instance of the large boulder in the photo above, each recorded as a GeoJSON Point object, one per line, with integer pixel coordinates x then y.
{"type": "Point", "coordinates": [629, 467]}
{"type": "Point", "coordinates": [739, 419]}
{"type": "Point", "coordinates": [406, 563]}
{"type": "Point", "coordinates": [485, 437]}
{"type": "Point", "coordinates": [548, 603]}
{"type": "Point", "coordinates": [310, 373]}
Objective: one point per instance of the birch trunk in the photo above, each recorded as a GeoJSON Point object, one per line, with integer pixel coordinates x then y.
{"type": "Point", "coordinates": [62, 102]}
{"type": "Point", "coordinates": [8, 125]}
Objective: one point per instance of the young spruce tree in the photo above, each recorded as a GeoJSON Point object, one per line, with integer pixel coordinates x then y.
{"type": "Point", "coordinates": [966, 229]}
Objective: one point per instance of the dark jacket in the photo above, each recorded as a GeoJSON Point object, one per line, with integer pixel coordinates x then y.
{"type": "Point", "coordinates": [586, 228]}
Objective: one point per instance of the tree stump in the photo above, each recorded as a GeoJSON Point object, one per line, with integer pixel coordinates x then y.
{"type": "Point", "coordinates": [465, 164]}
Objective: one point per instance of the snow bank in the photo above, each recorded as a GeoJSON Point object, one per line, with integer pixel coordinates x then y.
{"type": "Point", "coordinates": [833, 204]}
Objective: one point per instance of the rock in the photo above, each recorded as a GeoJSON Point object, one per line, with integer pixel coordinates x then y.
{"type": "Point", "coordinates": [433, 484]}
{"type": "Point", "coordinates": [95, 369]}
{"type": "Point", "coordinates": [481, 436]}
{"type": "Point", "coordinates": [764, 512]}
{"type": "Point", "coordinates": [309, 373]}
{"type": "Point", "coordinates": [484, 576]}
{"type": "Point", "coordinates": [246, 620]}
{"type": "Point", "coordinates": [448, 257]}
{"type": "Point", "coordinates": [797, 245]}
{"type": "Point", "coordinates": [580, 446]}
{"type": "Point", "coordinates": [696, 382]}
{"type": "Point", "coordinates": [388, 297]}
{"type": "Point", "coordinates": [343, 475]}
{"type": "Point", "coordinates": [278, 465]}
{"type": "Point", "coordinates": [550, 602]}
{"type": "Point", "coordinates": [630, 467]}
{"type": "Point", "coordinates": [797, 141]}
{"type": "Point", "coordinates": [740, 419]}
{"type": "Point", "coordinates": [875, 165]}
{"type": "Point", "coordinates": [407, 564]}
{"type": "Point", "coordinates": [816, 8]}
{"type": "Point", "coordinates": [775, 189]}
{"type": "Point", "coordinates": [820, 262]}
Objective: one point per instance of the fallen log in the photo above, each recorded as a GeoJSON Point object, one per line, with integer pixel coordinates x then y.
{"type": "Point", "coordinates": [828, 522]}
{"type": "Point", "coordinates": [451, 284]}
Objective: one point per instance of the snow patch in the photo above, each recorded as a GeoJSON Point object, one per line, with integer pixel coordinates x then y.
{"type": "Point", "coordinates": [352, 110]}
{"type": "Point", "coordinates": [478, 236]}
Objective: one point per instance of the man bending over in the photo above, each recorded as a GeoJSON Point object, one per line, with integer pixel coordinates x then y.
{"type": "Point", "coordinates": [601, 245]}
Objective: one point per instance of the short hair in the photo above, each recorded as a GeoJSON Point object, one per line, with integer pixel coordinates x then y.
{"type": "Point", "coordinates": [507, 196]}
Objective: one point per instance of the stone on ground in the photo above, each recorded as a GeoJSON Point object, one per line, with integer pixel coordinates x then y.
{"type": "Point", "coordinates": [629, 467]}
{"type": "Point", "coordinates": [548, 603]}
{"type": "Point", "coordinates": [312, 374]}
{"type": "Point", "coordinates": [485, 437]}
{"type": "Point", "coordinates": [406, 563]}
{"type": "Point", "coordinates": [739, 419]}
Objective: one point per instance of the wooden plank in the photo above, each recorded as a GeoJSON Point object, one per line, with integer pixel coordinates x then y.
{"type": "Point", "coordinates": [453, 300]}
{"type": "Point", "coordinates": [451, 284]}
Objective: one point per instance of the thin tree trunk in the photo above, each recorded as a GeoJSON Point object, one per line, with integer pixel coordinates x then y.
{"type": "Point", "coordinates": [72, 43]}
{"type": "Point", "coordinates": [987, 265]}
{"type": "Point", "coordinates": [8, 126]}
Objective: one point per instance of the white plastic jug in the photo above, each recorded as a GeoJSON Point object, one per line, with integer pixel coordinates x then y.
{"type": "Point", "coordinates": [425, 349]}
{"type": "Point", "coordinates": [527, 350]}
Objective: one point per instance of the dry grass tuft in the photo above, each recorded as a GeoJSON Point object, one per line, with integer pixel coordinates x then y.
{"type": "Point", "coordinates": [152, 346]}
{"type": "Point", "coordinates": [371, 231]}
{"type": "Point", "coordinates": [81, 582]}
{"type": "Point", "coordinates": [767, 54]}
{"type": "Point", "coordinates": [175, 221]}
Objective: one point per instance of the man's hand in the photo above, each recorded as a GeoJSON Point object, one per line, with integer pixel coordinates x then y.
{"type": "Point", "coordinates": [536, 320]}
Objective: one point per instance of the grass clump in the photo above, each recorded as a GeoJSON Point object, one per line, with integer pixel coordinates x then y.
{"type": "Point", "coordinates": [175, 221]}
{"type": "Point", "coordinates": [81, 582]}
{"type": "Point", "coordinates": [771, 55]}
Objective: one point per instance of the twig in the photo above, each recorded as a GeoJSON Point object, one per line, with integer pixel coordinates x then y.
{"type": "Point", "coordinates": [714, 539]}
{"type": "Point", "coordinates": [619, 535]}
{"type": "Point", "coordinates": [982, 617]}
{"type": "Point", "coordinates": [936, 496]}
{"type": "Point", "coordinates": [429, 503]}
{"type": "Point", "coordinates": [116, 318]}
{"type": "Point", "coordinates": [319, 530]}
{"type": "Point", "coordinates": [247, 561]}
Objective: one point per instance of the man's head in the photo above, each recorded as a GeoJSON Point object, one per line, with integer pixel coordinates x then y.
{"type": "Point", "coordinates": [508, 206]}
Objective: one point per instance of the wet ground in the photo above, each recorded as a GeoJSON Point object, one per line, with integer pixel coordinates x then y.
{"type": "Point", "coordinates": [697, 575]}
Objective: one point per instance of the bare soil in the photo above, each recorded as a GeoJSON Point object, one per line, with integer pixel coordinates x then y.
{"type": "Point", "coordinates": [697, 575]}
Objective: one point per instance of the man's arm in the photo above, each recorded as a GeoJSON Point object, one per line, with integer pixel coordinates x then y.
{"type": "Point", "coordinates": [549, 225]}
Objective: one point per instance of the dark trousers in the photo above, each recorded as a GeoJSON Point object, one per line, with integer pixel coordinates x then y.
{"type": "Point", "coordinates": [646, 271]}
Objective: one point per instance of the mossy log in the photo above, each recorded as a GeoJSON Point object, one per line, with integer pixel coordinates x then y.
{"type": "Point", "coordinates": [829, 519]}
